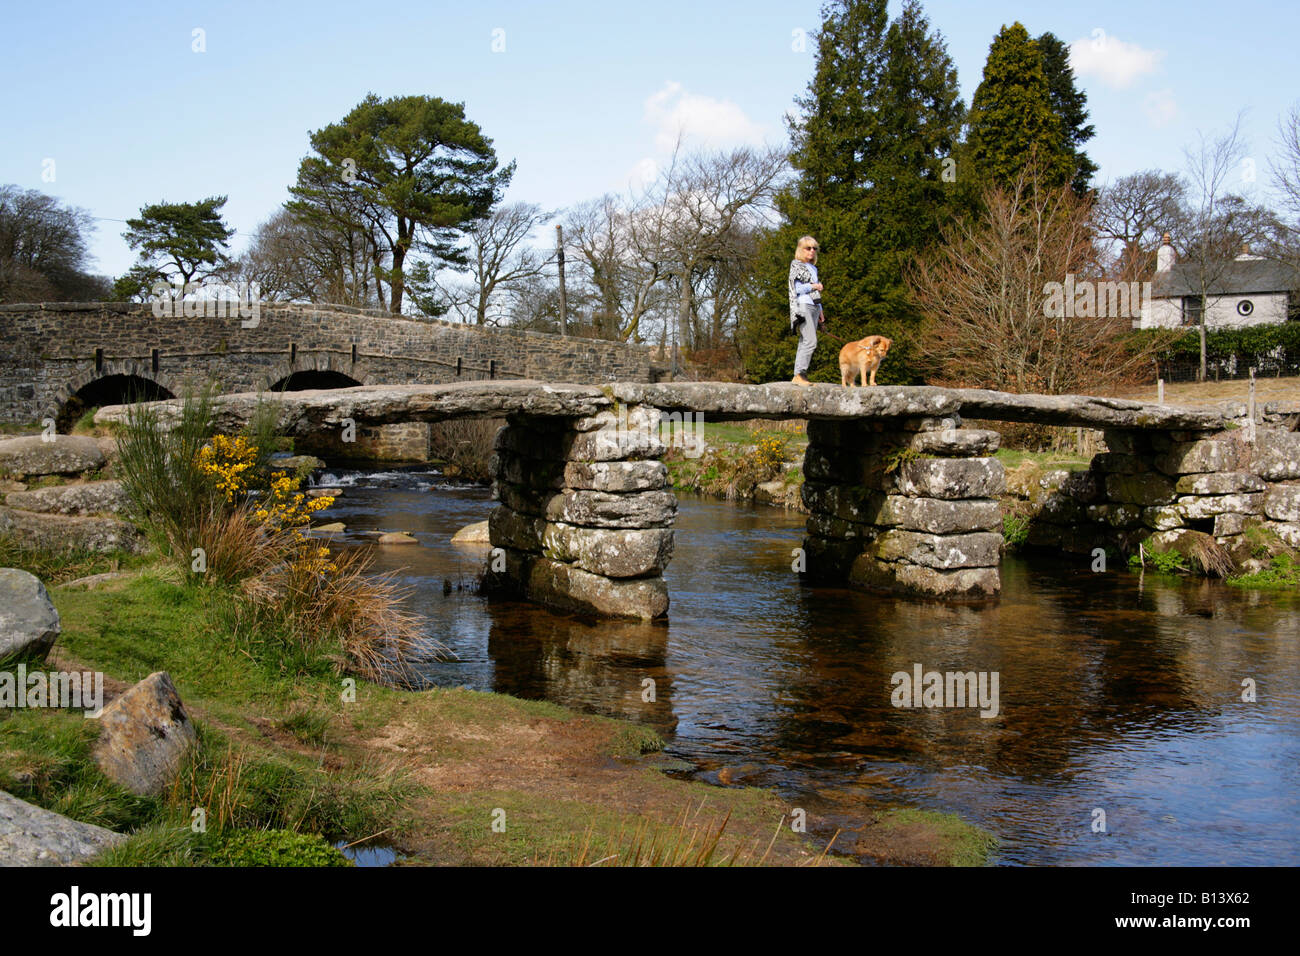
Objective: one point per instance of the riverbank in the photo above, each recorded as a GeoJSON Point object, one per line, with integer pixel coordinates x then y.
{"type": "Point", "coordinates": [444, 777]}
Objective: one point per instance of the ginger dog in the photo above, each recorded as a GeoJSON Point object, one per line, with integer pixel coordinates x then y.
{"type": "Point", "coordinates": [857, 358]}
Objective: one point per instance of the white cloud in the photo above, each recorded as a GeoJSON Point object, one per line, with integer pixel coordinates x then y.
{"type": "Point", "coordinates": [1160, 107]}
{"type": "Point", "coordinates": [643, 173]}
{"type": "Point", "coordinates": [1112, 60]}
{"type": "Point", "coordinates": [702, 121]}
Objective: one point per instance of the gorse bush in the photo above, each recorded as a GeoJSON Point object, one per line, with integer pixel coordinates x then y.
{"type": "Point", "coordinates": [208, 502]}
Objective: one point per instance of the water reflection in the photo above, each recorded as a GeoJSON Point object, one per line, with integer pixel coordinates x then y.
{"type": "Point", "coordinates": [1117, 692]}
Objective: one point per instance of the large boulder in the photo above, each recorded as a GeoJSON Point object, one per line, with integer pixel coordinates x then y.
{"type": "Point", "coordinates": [57, 455]}
{"type": "Point", "coordinates": [86, 498]}
{"type": "Point", "coordinates": [31, 836]}
{"type": "Point", "coordinates": [29, 624]}
{"type": "Point", "coordinates": [144, 735]}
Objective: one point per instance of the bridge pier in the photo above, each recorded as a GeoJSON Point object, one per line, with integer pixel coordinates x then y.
{"type": "Point", "coordinates": [908, 505]}
{"type": "Point", "coordinates": [585, 519]}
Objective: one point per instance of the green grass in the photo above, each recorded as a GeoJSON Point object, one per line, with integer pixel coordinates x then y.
{"type": "Point", "coordinates": [965, 843]}
{"type": "Point", "coordinates": [1015, 530]}
{"type": "Point", "coordinates": [46, 759]}
{"type": "Point", "coordinates": [1282, 574]}
{"type": "Point", "coordinates": [55, 566]}
{"type": "Point", "coordinates": [1046, 460]}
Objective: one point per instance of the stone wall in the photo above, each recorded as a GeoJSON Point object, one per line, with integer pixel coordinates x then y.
{"type": "Point", "coordinates": [51, 350]}
{"type": "Point", "coordinates": [585, 519]}
{"type": "Point", "coordinates": [909, 505]}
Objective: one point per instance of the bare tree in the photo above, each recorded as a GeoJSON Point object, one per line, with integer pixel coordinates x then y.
{"type": "Point", "coordinates": [498, 254]}
{"type": "Point", "coordinates": [313, 258]}
{"type": "Point", "coordinates": [982, 293]}
{"type": "Point", "coordinates": [1130, 216]}
{"type": "Point", "coordinates": [706, 200]}
{"type": "Point", "coordinates": [1216, 222]}
{"type": "Point", "coordinates": [1286, 181]}
{"type": "Point", "coordinates": [43, 249]}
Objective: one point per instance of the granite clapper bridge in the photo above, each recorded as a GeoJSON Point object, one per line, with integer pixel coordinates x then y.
{"type": "Point", "coordinates": [901, 495]}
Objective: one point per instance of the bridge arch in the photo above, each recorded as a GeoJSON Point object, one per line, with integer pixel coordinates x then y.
{"type": "Point", "coordinates": [116, 383]}
{"type": "Point", "coordinates": [304, 379]}
{"type": "Point", "coordinates": [313, 370]}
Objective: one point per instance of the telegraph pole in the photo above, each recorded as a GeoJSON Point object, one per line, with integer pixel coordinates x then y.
{"type": "Point", "coordinates": [564, 299]}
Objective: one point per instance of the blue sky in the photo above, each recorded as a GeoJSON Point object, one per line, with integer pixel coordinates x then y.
{"type": "Point", "coordinates": [584, 95]}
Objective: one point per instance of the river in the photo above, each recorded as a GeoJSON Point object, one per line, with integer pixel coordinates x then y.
{"type": "Point", "coordinates": [1117, 692]}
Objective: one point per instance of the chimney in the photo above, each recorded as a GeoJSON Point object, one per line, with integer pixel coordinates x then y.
{"type": "Point", "coordinates": [1165, 255]}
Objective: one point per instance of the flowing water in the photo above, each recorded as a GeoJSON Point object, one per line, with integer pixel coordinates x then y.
{"type": "Point", "coordinates": [1116, 692]}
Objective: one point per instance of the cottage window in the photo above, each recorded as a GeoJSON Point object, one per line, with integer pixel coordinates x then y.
{"type": "Point", "coordinates": [1193, 305]}
{"type": "Point", "coordinates": [1245, 307]}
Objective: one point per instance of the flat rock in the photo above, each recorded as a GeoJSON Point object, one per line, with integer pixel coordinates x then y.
{"type": "Point", "coordinates": [85, 498]}
{"type": "Point", "coordinates": [64, 455]}
{"type": "Point", "coordinates": [593, 509]}
{"type": "Point", "coordinates": [1288, 531]}
{"type": "Point", "coordinates": [397, 537]}
{"type": "Point", "coordinates": [309, 412]}
{"type": "Point", "coordinates": [943, 552]}
{"type": "Point", "coordinates": [1275, 455]}
{"type": "Point", "coordinates": [1199, 456]}
{"type": "Point", "coordinates": [956, 442]}
{"type": "Point", "coordinates": [1194, 507]}
{"type": "Point", "coordinates": [1219, 483]}
{"type": "Point", "coordinates": [144, 735]}
{"type": "Point", "coordinates": [971, 583]}
{"type": "Point", "coordinates": [614, 553]}
{"type": "Point", "coordinates": [33, 836]}
{"type": "Point", "coordinates": [29, 624]}
{"type": "Point", "coordinates": [950, 478]}
{"type": "Point", "coordinates": [570, 588]}
{"type": "Point", "coordinates": [295, 463]}
{"type": "Point", "coordinates": [937, 516]}
{"type": "Point", "coordinates": [1147, 489]}
{"type": "Point", "coordinates": [1282, 503]}
{"type": "Point", "coordinates": [60, 532]}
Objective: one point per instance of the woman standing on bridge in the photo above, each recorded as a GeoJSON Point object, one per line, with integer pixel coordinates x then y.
{"type": "Point", "coordinates": [805, 305]}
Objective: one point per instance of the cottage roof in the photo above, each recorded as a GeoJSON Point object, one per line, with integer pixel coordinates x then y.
{"type": "Point", "coordinates": [1239, 277]}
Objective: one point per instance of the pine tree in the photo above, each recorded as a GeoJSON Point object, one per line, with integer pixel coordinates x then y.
{"type": "Point", "coordinates": [880, 118]}
{"type": "Point", "coordinates": [1012, 117]}
{"type": "Point", "coordinates": [1071, 104]}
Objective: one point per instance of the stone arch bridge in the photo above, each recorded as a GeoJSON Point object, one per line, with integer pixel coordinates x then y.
{"type": "Point", "coordinates": [61, 358]}
{"type": "Point", "coordinates": [902, 494]}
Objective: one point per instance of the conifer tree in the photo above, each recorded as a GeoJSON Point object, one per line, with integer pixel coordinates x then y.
{"type": "Point", "coordinates": [1012, 117]}
{"type": "Point", "coordinates": [1071, 104]}
{"type": "Point", "coordinates": [881, 116]}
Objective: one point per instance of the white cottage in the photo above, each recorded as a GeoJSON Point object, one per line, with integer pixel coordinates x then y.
{"type": "Point", "coordinates": [1250, 290]}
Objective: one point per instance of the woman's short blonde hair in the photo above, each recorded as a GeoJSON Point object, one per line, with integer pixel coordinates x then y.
{"type": "Point", "coordinates": [805, 241]}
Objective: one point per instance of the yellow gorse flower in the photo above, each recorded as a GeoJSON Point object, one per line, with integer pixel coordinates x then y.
{"type": "Point", "coordinates": [227, 461]}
